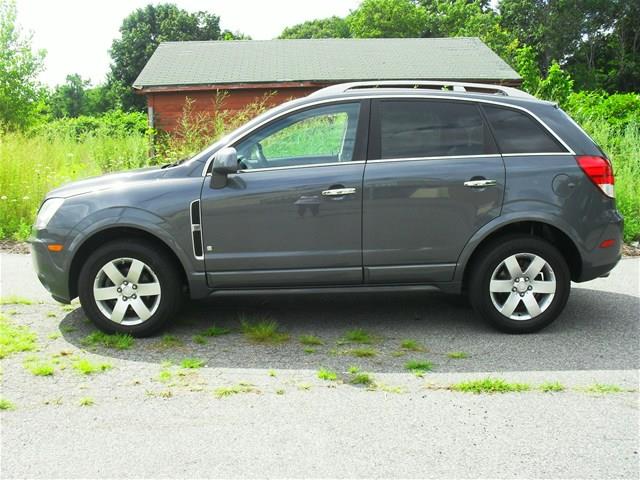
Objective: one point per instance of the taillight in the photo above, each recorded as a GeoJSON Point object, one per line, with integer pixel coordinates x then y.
{"type": "Point", "coordinates": [599, 171]}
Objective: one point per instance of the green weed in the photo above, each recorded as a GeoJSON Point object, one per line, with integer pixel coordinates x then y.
{"type": "Point", "coordinates": [418, 366]}
{"type": "Point", "coordinates": [6, 404]}
{"type": "Point", "coordinates": [311, 340]}
{"type": "Point", "coordinates": [118, 341]}
{"type": "Point", "coordinates": [489, 385]}
{"type": "Point", "coordinates": [324, 374]}
{"type": "Point", "coordinates": [86, 402]}
{"type": "Point", "coordinates": [192, 363]}
{"type": "Point", "coordinates": [263, 331]}
{"type": "Point", "coordinates": [412, 345]}
{"type": "Point", "coordinates": [551, 387]}
{"type": "Point", "coordinates": [241, 387]}
{"type": "Point", "coordinates": [87, 367]}
{"type": "Point", "coordinates": [15, 300]}
{"type": "Point", "coordinates": [458, 355]}
{"type": "Point", "coordinates": [215, 331]}
{"type": "Point", "coordinates": [357, 335]}
{"type": "Point", "coordinates": [15, 339]}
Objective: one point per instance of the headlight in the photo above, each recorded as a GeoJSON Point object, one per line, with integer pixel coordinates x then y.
{"type": "Point", "coordinates": [47, 211]}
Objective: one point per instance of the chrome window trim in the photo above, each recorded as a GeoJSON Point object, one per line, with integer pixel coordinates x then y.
{"type": "Point", "coordinates": [538, 154]}
{"type": "Point", "coordinates": [312, 165]}
{"type": "Point", "coordinates": [391, 96]}
{"type": "Point", "coordinates": [440, 157]}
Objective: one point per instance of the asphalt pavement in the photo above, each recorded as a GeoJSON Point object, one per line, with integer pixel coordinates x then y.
{"type": "Point", "coordinates": [150, 418]}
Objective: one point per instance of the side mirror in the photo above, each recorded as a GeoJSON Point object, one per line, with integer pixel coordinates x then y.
{"type": "Point", "coordinates": [224, 163]}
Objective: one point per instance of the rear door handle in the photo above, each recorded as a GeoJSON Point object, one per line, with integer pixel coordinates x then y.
{"type": "Point", "coordinates": [338, 192]}
{"type": "Point", "coordinates": [480, 183]}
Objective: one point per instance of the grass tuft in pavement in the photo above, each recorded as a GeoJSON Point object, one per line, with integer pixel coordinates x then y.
{"type": "Point", "coordinates": [325, 374]}
{"type": "Point", "coordinates": [418, 366]}
{"type": "Point", "coordinates": [311, 340]}
{"type": "Point", "coordinates": [86, 402]}
{"type": "Point", "coordinates": [412, 345]}
{"type": "Point", "coordinates": [15, 300]}
{"type": "Point", "coordinates": [602, 388]}
{"type": "Point", "coordinates": [87, 367]}
{"type": "Point", "coordinates": [192, 363]}
{"type": "Point", "coordinates": [551, 387]}
{"type": "Point", "coordinates": [357, 335]}
{"type": "Point", "coordinates": [489, 385]}
{"type": "Point", "coordinates": [241, 387]}
{"type": "Point", "coordinates": [263, 331]}
{"type": "Point", "coordinates": [457, 355]}
{"type": "Point", "coordinates": [15, 339]}
{"type": "Point", "coordinates": [215, 331]}
{"type": "Point", "coordinates": [38, 367]}
{"type": "Point", "coordinates": [6, 404]}
{"type": "Point", "coordinates": [118, 341]}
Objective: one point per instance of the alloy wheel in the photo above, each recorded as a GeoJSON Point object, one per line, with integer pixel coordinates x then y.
{"type": "Point", "coordinates": [127, 291]}
{"type": "Point", "coordinates": [522, 286]}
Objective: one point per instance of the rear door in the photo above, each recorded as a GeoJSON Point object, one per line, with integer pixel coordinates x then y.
{"type": "Point", "coordinates": [433, 178]}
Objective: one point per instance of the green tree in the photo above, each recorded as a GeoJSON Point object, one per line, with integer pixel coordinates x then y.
{"type": "Point", "coordinates": [20, 91]}
{"type": "Point", "coordinates": [387, 19]}
{"type": "Point", "coordinates": [332, 27]}
{"type": "Point", "coordinates": [69, 99]}
{"type": "Point", "coordinates": [141, 33]}
{"type": "Point", "coordinates": [468, 18]}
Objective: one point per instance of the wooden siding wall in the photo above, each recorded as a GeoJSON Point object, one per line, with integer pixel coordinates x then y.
{"type": "Point", "coordinates": [168, 106]}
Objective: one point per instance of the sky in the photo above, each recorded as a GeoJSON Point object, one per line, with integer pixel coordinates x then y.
{"type": "Point", "coordinates": [77, 34]}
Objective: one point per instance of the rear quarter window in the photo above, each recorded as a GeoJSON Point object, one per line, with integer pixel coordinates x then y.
{"type": "Point", "coordinates": [517, 132]}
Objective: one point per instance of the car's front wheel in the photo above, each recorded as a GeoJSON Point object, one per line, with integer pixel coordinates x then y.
{"type": "Point", "coordinates": [520, 284]}
{"type": "Point", "coordinates": [129, 287]}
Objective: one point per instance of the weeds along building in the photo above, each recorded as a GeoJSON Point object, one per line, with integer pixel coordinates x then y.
{"type": "Point", "coordinates": [246, 70]}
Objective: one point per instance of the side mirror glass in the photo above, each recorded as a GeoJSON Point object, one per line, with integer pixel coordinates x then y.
{"type": "Point", "coordinates": [224, 163]}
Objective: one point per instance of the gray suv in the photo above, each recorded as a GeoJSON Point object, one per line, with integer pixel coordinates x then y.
{"type": "Point", "coordinates": [375, 186]}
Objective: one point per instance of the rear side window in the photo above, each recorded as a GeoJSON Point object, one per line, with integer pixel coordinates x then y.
{"type": "Point", "coordinates": [517, 132]}
{"type": "Point", "coordinates": [426, 128]}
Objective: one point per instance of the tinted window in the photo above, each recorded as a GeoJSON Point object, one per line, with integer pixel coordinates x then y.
{"type": "Point", "coordinates": [424, 128]}
{"type": "Point", "coordinates": [517, 132]}
{"type": "Point", "coordinates": [318, 135]}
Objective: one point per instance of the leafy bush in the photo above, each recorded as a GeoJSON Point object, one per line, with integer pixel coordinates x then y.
{"type": "Point", "coordinates": [113, 124]}
{"type": "Point", "coordinates": [618, 110]}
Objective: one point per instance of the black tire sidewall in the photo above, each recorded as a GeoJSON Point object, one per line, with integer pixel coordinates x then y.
{"type": "Point", "coordinates": [491, 256]}
{"type": "Point", "coordinates": [156, 259]}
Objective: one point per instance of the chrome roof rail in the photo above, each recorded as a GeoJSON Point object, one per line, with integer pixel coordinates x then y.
{"type": "Point", "coordinates": [457, 87]}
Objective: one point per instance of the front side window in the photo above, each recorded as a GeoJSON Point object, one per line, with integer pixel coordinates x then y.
{"type": "Point", "coordinates": [517, 132]}
{"type": "Point", "coordinates": [315, 136]}
{"type": "Point", "coordinates": [427, 128]}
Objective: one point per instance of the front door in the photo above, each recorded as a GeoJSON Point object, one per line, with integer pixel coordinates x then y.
{"type": "Point", "coordinates": [292, 214]}
{"type": "Point", "coordinates": [433, 178]}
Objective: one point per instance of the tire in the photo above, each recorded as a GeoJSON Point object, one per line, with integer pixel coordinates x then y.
{"type": "Point", "coordinates": [537, 300]}
{"type": "Point", "coordinates": [130, 287]}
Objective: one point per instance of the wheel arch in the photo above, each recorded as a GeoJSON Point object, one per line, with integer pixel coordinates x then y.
{"type": "Point", "coordinates": [104, 236]}
{"type": "Point", "coordinates": [536, 228]}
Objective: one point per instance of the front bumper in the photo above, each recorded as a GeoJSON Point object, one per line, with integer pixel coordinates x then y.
{"type": "Point", "coordinates": [49, 269]}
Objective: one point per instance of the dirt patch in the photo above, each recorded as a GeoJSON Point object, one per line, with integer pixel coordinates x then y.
{"type": "Point", "coordinates": [11, 246]}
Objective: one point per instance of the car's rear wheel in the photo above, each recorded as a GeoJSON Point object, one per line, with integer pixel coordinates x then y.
{"type": "Point", "coordinates": [519, 284]}
{"type": "Point", "coordinates": [129, 287]}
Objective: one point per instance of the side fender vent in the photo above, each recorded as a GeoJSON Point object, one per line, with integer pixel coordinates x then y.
{"type": "Point", "coordinates": [196, 229]}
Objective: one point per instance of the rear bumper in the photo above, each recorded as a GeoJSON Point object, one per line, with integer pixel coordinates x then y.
{"type": "Point", "coordinates": [600, 261]}
{"type": "Point", "coordinates": [52, 276]}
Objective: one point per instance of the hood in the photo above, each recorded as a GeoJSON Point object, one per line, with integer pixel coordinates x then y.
{"type": "Point", "coordinates": [105, 182]}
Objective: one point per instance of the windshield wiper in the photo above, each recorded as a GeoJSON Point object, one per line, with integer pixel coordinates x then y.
{"type": "Point", "coordinates": [176, 163]}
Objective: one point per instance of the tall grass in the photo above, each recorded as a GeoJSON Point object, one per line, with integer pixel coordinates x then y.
{"type": "Point", "coordinates": [622, 145]}
{"type": "Point", "coordinates": [30, 166]}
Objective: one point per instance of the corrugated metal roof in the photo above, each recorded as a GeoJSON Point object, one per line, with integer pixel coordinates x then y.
{"type": "Point", "coordinates": [253, 61]}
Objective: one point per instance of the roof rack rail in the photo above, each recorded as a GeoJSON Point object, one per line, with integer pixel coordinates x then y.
{"type": "Point", "coordinates": [458, 87]}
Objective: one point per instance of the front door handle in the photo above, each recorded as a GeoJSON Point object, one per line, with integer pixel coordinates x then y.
{"type": "Point", "coordinates": [480, 183]}
{"type": "Point", "coordinates": [338, 192]}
